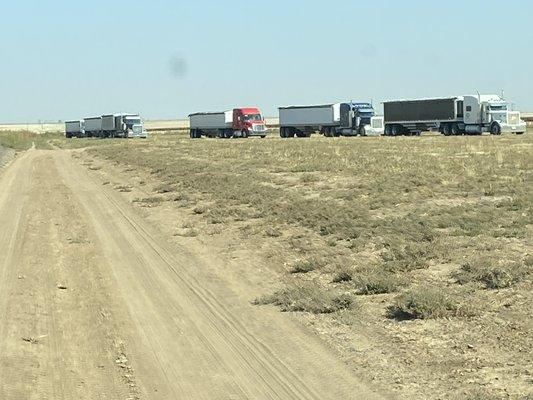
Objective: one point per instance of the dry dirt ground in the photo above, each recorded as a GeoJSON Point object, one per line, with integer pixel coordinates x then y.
{"type": "Point", "coordinates": [96, 302]}
{"type": "Point", "coordinates": [410, 257]}
{"type": "Point", "coordinates": [163, 245]}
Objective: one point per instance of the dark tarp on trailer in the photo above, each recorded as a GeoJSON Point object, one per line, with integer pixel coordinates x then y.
{"type": "Point", "coordinates": [420, 110]}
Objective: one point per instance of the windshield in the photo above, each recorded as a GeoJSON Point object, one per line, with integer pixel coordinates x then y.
{"type": "Point", "coordinates": [253, 117]}
{"type": "Point", "coordinates": [133, 121]}
{"type": "Point", "coordinates": [499, 107]}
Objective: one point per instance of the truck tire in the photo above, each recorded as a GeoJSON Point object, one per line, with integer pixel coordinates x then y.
{"type": "Point", "coordinates": [362, 131]}
{"type": "Point", "coordinates": [68, 135]}
{"type": "Point", "coordinates": [289, 133]}
{"type": "Point", "coordinates": [388, 130]}
{"type": "Point", "coordinates": [447, 129]}
{"type": "Point", "coordinates": [495, 129]}
{"type": "Point", "coordinates": [244, 134]}
{"type": "Point", "coordinates": [455, 130]}
{"type": "Point", "coordinates": [396, 130]}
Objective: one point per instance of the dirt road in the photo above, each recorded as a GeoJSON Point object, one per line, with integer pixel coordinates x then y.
{"type": "Point", "coordinates": [96, 304]}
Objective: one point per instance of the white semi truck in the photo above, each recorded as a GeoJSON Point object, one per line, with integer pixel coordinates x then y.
{"type": "Point", "coordinates": [109, 125]}
{"type": "Point", "coordinates": [339, 119]}
{"type": "Point", "coordinates": [122, 125]}
{"type": "Point", "coordinates": [456, 115]}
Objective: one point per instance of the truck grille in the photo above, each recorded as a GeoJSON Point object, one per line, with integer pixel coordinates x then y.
{"type": "Point", "coordinates": [377, 122]}
{"type": "Point", "coordinates": [259, 128]}
{"type": "Point", "coordinates": [513, 118]}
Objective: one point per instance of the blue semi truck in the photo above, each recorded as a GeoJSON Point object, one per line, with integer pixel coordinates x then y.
{"type": "Point", "coordinates": [337, 119]}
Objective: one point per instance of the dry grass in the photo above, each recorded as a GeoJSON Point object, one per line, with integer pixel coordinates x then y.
{"type": "Point", "coordinates": [412, 203]}
{"type": "Point", "coordinates": [412, 230]}
{"type": "Point", "coordinates": [307, 297]}
{"type": "Point", "coordinates": [427, 303]}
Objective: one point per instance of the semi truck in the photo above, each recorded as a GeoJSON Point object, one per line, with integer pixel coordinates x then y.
{"type": "Point", "coordinates": [346, 119]}
{"type": "Point", "coordinates": [74, 128]}
{"type": "Point", "coordinates": [122, 125]}
{"type": "Point", "coordinates": [239, 122]}
{"type": "Point", "coordinates": [109, 125]}
{"type": "Point", "coordinates": [456, 115]}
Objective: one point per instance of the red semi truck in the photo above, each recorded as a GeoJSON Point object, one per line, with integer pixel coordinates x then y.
{"type": "Point", "coordinates": [239, 122]}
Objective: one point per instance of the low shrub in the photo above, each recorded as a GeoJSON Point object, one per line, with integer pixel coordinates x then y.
{"type": "Point", "coordinates": [493, 273]}
{"type": "Point", "coordinates": [377, 282]}
{"type": "Point", "coordinates": [305, 266]}
{"type": "Point", "coordinates": [426, 303]}
{"type": "Point", "coordinates": [307, 298]}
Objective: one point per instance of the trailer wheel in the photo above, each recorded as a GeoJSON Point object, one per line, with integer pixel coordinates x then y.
{"type": "Point", "coordinates": [495, 129]}
{"type": "Point", "coordinates": [388, 130]}
{"type": "Point", "coordinates": [396, 130]}
{"type": "Point", "coordinates": [447, 129]}
{"type": "Point", "coordinates": [455, 130]}
{"type": "Point", "coordinates": [68, 135]}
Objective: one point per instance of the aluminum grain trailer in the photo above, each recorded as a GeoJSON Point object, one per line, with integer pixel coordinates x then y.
{"type": "Point", "coordinates": [346, 119]}
{"type": "Point", "coordinates": [93, 126]}
{"type": "Point", "coordinates": [211, 124]}
{"type": "Point", "coordinates": [74, 129]}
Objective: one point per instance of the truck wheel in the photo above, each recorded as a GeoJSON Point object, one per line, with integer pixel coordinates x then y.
{"type": "Point", "coordinates": [68, 135]}
{"type": "Point", "coordinates": [244, 134]}
{"type": "Point", "coordinates": [388, 130]}
{"type": "Point", "coordinates": [495, 129]}
{"type": "Point", "coordinates": [289, 133]}
{"type": "Point", "coordinates": [447, 129]}
{"type": "Point", "coordinates": [362, 131]}
{"type": "Point", "coordinates": [455, 130]}
{"type": "Point", "coordinates": [396, 130]}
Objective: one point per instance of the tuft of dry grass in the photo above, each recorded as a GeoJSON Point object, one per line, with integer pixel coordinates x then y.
{"type": "Point", "coordinates": [307, 297]}
{"type": "Point", "coordinates": [427, 303]}
{"type": "Point", "coordinates": [307, 265]}
{"type": "Point", "coordinates": [494, 273]}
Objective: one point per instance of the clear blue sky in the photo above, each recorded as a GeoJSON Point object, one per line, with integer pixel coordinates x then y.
{"type": "Point", "coordinates": [165, 59]}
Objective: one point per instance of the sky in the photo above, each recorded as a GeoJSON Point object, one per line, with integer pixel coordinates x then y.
{"type": "Point", "coordinates": [165, 59]}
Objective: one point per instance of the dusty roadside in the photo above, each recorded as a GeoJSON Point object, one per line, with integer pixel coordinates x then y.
{"type": "Point", "coordinates": [6, 156]}
{"type": "Point", "coordinates": [96, 303]}
{"type": "Point", "coordinates": [455, 356]}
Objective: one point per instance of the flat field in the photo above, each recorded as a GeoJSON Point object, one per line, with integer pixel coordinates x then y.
{"type": "Point", "coordinates": [411, 257]}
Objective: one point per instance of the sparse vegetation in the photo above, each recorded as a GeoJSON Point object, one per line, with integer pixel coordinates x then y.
{"type": "Point", "coordinates": [307, 297]}
{"type": "Point", "coordinates": [308, 265]}
{"type": "Point", "coordinates": [413, 232]}
{"type": "Point", "coordinates": [426, 303]}
{"type": "Point", "coordinates": [494, 273]}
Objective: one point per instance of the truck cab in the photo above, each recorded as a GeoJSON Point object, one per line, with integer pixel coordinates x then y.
{"type": "Point", "coordinates": [133, 126]}
{"type": "Point", "coordinates": [361, 120]}
{"type": "Point", "coordinates": [491, 113]}
{"type": "Point", "coordinates": [248, 122]}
